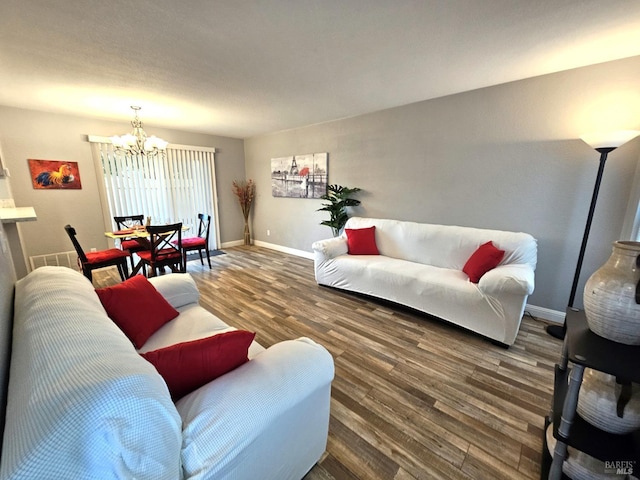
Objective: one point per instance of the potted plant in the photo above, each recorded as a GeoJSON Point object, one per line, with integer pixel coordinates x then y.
{"type": "Point", "coordinates": [339, 199]}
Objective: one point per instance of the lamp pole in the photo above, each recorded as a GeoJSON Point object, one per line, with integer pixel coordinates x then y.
{"type": "Point", "coordinates": [604, 148]}
{"type": "Point", "coordinates": [596, 189]}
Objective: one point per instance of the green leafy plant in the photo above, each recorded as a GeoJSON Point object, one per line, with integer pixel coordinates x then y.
{"type": "Point", "coordinates": [339, 199]}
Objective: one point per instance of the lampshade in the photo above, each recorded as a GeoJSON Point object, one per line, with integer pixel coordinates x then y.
{"type": "Point", "coordinates": [137, 142]}
{"type": "Point", "coordinates": [609, 139]}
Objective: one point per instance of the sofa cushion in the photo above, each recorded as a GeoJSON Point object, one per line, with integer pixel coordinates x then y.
{"type": "Point", "coordinates": [137, 308]}
{"type": "Point", "coordinates": [179, 289]}
{"type": "Point", "coordinates": [362, 241]}
{"type": "Point", "coordinates": [485, 258]}
{"type": "Point", "coordinates": [82, 403]}
{"type": "Point", "coordinates": [189, 365]}
{"type": "Point", "coordinates": [445, 246]}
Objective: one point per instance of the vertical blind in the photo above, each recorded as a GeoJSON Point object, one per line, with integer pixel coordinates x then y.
{"type": "Point", "coordinates": [172, 187]}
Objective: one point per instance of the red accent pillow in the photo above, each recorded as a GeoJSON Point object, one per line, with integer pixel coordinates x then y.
{"type": "Point", "coordinates": [137, 308]}
{"type": "Point", "coordinates": [362, 241]}
{"type": "Point", "coordinates": [485, 258]}
{"type": "Point", "coordinates": [189, 365]}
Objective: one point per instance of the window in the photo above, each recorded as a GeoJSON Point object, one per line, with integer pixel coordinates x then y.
{"type": "Point", "coordinates": [631, 224]}
{"type": "Point", "coordinates": [172, 187]}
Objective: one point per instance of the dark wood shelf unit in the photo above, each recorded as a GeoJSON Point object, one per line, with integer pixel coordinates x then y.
{"type": "Point", "coordinates": [589, 439]}
{"type": "Point", "coordinates": [593, 351]}
{"type": "Point", "coordinates": [585, 349]}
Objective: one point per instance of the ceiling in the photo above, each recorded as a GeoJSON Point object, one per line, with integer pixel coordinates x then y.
{"type": "Point", "coordinates": [241, 68]}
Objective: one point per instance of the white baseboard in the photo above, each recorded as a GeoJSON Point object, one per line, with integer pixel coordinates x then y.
{"type": "Point", "coordinates": [234, 243]}
{"type": "Point", "coordinates": [553, 316]}
{"type": "Point", "coordinates": [272, 246]}
{"type": "Point", "coordinates": [280, 248]}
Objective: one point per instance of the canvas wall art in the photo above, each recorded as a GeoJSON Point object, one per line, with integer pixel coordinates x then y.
{"type": "Point", "coordinates": [299, 176]}
{"type": "Point", "coordinates": [54, 174]}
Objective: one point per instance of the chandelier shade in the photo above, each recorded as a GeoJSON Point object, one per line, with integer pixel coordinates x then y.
{"type": "Point", "coordinates": [137, 142]}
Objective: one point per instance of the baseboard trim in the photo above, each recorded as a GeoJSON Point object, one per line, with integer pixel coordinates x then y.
{"type": "Point", "coordinates": [280, 248]}
{"type": "Point", "coordinates": [554, 316]}
{"type": "Point", "coordinates": [234, 243]}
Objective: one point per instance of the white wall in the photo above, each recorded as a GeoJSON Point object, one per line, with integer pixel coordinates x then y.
{"type": "Point", "coordinates": [26, 134]}
{"type": "Point", "coordinates": [505, 157]}
{"type": "Point", "coordinates": [5, 187]}
{"type": "Point", "coordinates": [7, 279]}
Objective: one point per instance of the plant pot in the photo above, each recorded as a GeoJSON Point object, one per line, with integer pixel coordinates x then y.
{"type": "Point", "coordinates": [598, 402]}
{"type": "Point", "coordinates": [610, 296]}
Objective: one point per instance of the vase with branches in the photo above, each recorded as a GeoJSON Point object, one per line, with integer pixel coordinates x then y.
{"type": "Point", "coordinates": [339, 199]}
{"type": "Point", "coordinates": [245, 191]}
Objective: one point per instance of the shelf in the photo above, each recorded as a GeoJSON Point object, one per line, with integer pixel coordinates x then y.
{"type": "Point", "coordinates": [589, 439]}
{"type": "Point", "coordinates": [583, 348]}
{"type": "Point", "coordinates": [17, 214]}
{"type": "Point", "coordinates": [593, 351]}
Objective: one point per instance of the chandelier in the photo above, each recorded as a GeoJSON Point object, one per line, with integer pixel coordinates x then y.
{"type": "Point", "coordinates": [137, 142]}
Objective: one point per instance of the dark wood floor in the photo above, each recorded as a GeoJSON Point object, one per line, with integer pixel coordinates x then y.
{"type": "Point", "coordinates": [413, 397]}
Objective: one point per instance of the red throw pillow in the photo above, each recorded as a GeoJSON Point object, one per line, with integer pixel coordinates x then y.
{"type": "Point", "coordinates": [189, 365]}
{"type": "Point", "coordinates": [137, 308]}
{"type": "Point", "coordinates": [362, 241]}
{"type": "Point", "coordinates": [485, 258]}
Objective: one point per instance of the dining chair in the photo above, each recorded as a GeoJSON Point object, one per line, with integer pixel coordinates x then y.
{"type": "Point", "coordinates": [166, 243]}
{"type": "Point", "coordinates": [103, 258]}
{"type": "Point", "coordinates": [131, 244]}
{"type": "Point", "coordinates": [199, 243]}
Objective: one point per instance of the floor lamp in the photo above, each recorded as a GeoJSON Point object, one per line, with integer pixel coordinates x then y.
{"type": "Point", "coordinates": [602, 143]}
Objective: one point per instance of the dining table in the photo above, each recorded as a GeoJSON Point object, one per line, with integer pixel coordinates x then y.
{"type": "Point", "coordinates": [140, 234]}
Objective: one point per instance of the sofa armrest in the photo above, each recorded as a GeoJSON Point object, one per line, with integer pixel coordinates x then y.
{"type": "Point", "coordinates": [516, 279]}
{"type": "Point", "coordinates": [330, 248]}
{"type": "Point", "coordinates": [277, 405]}
{"type": "Point", "coordinates": [179, 289]}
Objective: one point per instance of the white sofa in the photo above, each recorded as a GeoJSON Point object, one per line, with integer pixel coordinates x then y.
{"type": "Point", "coordinates": [420, 266]}
{"type": "Point", "coordinates": [83, 404]}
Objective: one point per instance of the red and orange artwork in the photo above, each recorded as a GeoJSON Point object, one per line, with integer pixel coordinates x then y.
{"type": "Point", "coordinates": [54, 174]}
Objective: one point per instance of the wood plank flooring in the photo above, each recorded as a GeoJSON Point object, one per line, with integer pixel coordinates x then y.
{"type": "Point", "coordinates": [413, 397]}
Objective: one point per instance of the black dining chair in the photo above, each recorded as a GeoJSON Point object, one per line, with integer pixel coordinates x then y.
{"type": "Point", "coordinates": [166, 242]}
{"type": "Point", "coordinates": [103, 258]}
{"type": "Point", "coordinates": [199, 243]}
{"type": "Point", "coordinates": [131, 244]}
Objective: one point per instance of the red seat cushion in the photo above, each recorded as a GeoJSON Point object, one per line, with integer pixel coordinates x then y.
{"type": "Point", "coordinates": [164, 254]}
{"type": "Point", "coordinates": [192, 242]}
{"type": "Point", "coordinates": [189, 365]}
{"type": "Point", "coordinates": [362, 241]}
{"type": "Point", "coordinates": [137, 308]}
{"type": "Point", "coordinates": [131, 245]}
{"type": "Point", "coordinates": [106, 255]}
{"type": "Point", "coordinates": [485, 258]}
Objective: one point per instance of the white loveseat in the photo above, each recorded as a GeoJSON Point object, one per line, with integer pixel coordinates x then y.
{"type": "Point", "coordinates": [83, 404]}
{"type": "Point", "coordinates": [420, 266]}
